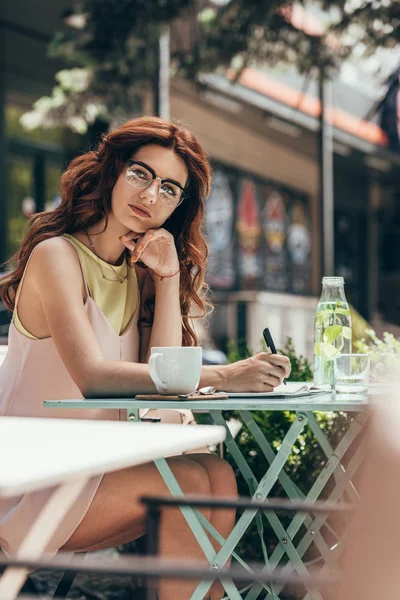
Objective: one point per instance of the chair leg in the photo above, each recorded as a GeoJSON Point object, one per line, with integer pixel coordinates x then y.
{"type": "Point", "coordinates": [30, 588]}
{"type": "Point", "coordinates": [65, 583]}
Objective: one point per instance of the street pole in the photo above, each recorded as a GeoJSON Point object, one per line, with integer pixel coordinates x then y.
{"type": "Point", "coordinates": [326, 176]}
{"type": "Point", "coordinates": [161, 83]}
{"type": "Point", "coordinates": [3, 158]}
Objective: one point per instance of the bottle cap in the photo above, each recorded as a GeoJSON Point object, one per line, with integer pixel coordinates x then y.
{"type": "Point", "coordinates": [333, 281]}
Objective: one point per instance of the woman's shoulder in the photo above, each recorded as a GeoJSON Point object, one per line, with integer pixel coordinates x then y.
{"type": "Point", "coordinates": [52, 246]}
{"type": "Point", "coordinates": [55, 255]}
{"type": "Point", "coordinates": [53, 275]}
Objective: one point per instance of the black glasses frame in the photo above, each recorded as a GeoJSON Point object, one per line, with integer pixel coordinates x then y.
{"type": "Point", "coordinates": [131, 162]}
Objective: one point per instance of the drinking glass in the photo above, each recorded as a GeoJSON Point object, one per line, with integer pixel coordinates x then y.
{"type": "Point", "coordinates": [352, 373]}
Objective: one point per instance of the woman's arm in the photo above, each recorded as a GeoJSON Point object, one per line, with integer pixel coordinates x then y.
{"type": "Point", "coordinates": [56, 273]}
{"type": "Point", "coordinates": [167, 323]}
{"type": "Point", "coordinates": [259, 373]}
{"type": "Point", "coordinates": [156, 250]}
{"type": "Point", "coordinates": [162, 324]}
{"type": "Point", "coordinates": [57, 277]}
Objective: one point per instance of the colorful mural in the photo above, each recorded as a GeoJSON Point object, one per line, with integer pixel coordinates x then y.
{"type": "Point", "coordinates": [274, 228]}
{"type": "Point", "coordinates": [248, 227]}
{"type": "Point", "coordinates": [299, 247]}
{"type": "Point", "coordinates": [268, 246]}
{"type": "Point", "coordinates": [219, 215]}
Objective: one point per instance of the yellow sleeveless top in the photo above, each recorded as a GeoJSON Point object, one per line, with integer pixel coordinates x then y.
{"type": "Point", "coordinates": [118, 301]}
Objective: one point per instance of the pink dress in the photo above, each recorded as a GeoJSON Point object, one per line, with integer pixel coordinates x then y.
{"type": "Point", "coordinates": [33, 372]}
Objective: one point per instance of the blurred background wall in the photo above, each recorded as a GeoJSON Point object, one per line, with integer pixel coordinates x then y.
{"type": "Point", "coordinates": [263, 218]}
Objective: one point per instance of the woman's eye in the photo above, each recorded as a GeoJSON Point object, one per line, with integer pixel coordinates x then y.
{"type": "Point", "coordinates": [140, 174]}
{"type": "Point", "coordinates": [169, 190]}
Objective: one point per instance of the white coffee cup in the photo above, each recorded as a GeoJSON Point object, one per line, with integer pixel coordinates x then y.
{"type": "Point", "coordinates": [175, 370]}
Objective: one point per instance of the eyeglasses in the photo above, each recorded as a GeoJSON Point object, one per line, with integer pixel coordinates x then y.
{"type": "Point", "coordinates": [140, 175]}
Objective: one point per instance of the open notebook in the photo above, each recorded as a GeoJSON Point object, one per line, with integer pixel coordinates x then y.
{"type": "Point", "coordinates": [291, 389]}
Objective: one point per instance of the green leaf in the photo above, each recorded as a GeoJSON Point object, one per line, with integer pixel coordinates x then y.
{"type": "Point", "coordinates": [332, 332]}
{"type": "Point", "coordinates": [325, 314]}
{"type": "Point", "coordinates": [343, 311]}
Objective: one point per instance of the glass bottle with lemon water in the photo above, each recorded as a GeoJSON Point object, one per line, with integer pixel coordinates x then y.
{"type": "Point", "coordinates": [332, 331]}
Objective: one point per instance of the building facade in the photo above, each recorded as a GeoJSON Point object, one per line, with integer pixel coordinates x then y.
{"type": "Point", "coordinates": [263, 218]}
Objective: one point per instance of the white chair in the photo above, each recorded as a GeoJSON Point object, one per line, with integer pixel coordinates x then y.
{"type": "Point", "coordinates": [39, 454]}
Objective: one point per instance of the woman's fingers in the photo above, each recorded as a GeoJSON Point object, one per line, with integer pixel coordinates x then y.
{"type": "Point", "coordinates": [279, 361]}
{"type": "Point", "coordinates": [130, 239]}
{"type": "Point", "coordinates": [137, 246]}
{"type": "Point", "coordinates": [143, 242]}
{"type": "Point", "coordinates": [272, 380]}
{"type": "Point", "coordinates": [260, 373]}
{"type": "Point", "coordinates": [277, 372]}
{"type": "Point", "coordinates": [272, 368]}
{"type": "Point", "coordinates": [140, 246]}
{"type": "Point", "coordinates": [149, 236]}
{"type": "Point", "coordinates": [130, 244]}
{"type": "Point", "coordinates": [131, 235]}
{"type": "Point", "coordinates": [267, 387]}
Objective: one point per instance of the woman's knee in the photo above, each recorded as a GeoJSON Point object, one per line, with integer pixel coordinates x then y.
{"type": "Point", "coordinates": [192, 476]}
{"type": "Point", "coordinates": [220, 473]}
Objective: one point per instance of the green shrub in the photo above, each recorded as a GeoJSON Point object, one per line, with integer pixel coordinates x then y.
{"type": "Point", "coordinates": [384, 354]}
{"type": "Point", "coordinates": [306, 460]}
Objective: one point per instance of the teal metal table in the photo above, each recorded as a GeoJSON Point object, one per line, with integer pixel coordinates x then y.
{"type": "Point", "coordinates": [304, 528]}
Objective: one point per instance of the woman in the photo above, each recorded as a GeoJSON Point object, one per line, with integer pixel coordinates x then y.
{"type": "Point", "coordinates": [117, 268]}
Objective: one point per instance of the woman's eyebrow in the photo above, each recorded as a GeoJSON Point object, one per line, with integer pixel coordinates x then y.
{"type": "Point", "coordinates": [152, 171]}
{"type": "Point", "coordinates": [175, 182]}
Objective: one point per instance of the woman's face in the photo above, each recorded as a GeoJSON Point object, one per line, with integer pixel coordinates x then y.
{"type": "Point", "coordinates": [140, 208]}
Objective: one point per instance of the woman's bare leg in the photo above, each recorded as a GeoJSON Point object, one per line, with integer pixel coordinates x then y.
{"type": "Point", "coordinates": [223, 484]}
{"type": "Point", "coordinates": [116, 516]}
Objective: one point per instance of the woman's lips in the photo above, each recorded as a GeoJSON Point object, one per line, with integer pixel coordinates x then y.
{"type": "Point", "coordinates": [140, 212]}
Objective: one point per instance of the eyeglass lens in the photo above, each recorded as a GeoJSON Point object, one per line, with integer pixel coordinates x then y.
{"type": "Point", "coordinates": [140, 177]}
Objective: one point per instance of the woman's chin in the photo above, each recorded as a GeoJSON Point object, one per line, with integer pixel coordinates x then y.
{"type": "Point", "coordinates": [134, 225]}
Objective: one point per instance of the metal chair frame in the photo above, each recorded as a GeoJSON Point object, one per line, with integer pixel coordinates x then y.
{"type": "Point", "coordinates": [150, 566]}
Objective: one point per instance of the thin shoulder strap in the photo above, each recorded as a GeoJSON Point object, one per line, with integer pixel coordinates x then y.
{"type": "Point", "coordinates": [80, 263]}
{"type": "Point", "coordinates": [27, 263]}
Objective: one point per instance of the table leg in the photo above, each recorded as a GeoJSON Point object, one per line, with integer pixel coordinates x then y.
{"type": "Point", "coordinates": [313, 527]}
{"type": "Point", "coordinates": [192, 518]}
{"type": "Point", "coordinates": [327, 449]}
{"type": "Point", "coordinates": [292, 490]}
{"type": "Point", "coordinates": [333, 467]}
{"type": "Point", "coordinates": [41, 532]}
{"type": "Point", "coordinates": [262, 491]}
{"type": "Point", "coordinates": [337, 493]}
{"type": "Point", "coordinates": [249, 477]}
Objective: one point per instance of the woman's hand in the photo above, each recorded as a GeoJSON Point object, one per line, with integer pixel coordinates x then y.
{"type": "Point", "coordinates": [259, 373]}
{"type": "Point", "coordinates": [155, 248]}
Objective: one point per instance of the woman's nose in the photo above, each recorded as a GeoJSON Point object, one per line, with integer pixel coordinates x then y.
{"type": "Point", "coordinates": [151, 192]}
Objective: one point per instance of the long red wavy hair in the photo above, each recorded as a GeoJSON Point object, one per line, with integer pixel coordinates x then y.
{"type": "Point", "coordinates": [86, 188]}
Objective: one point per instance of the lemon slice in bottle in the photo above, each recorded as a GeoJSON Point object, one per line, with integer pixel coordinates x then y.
{"type": "Point", "coordinates": [332, 332]}
{"type": "Point", "coordinates": [326, 351]}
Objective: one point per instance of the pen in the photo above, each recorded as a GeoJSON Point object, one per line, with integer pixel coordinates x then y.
{"type": "Point", "coordinates": [270, 344]}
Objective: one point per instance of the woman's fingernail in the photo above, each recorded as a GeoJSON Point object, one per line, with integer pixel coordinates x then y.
{"type": "Point", "coordinates": [133, 259]}
{"type": "Point", "coordinates": [140, 248]}
{"type": "Point", "coordinates": [150, 236]}
{"type": "Point", "coordinates": [122, 237]}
